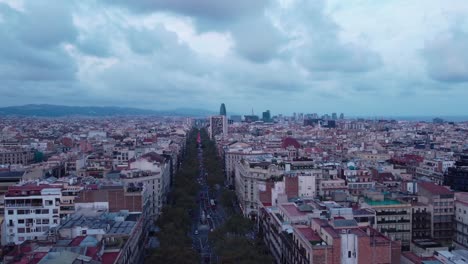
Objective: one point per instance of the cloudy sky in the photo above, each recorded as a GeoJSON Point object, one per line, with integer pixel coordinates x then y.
{"type": "Point", "coordinates": [360, 57]}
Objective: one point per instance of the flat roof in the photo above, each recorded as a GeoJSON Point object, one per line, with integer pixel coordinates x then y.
{"type": "Point", "coordinates": [384, 202]}
{"type": "Point", "coordinates": [434, 188]}
{"type": "Point", "coordinates": [309, 233]}
{"type": "Point", "coordinates": [292, 210]}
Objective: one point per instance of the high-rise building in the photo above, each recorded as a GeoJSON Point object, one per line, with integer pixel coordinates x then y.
{"type": "Point", "coordinates": [222, 110]}
{"type": "Point", "coordinates": [236, 118]}
{"type": "Point", "coordinates": [266, 116]}
{"type": "Point", "coordinates": [457, 176]}
{"type": "Point", "coordinates": [218, 125]}
{"type": "Point", "coordinates": [334, 116]}
{"type": "Point", "coordinates": [341, 116]}
{"type": "Point", "coordinates": [250, 118]}
{"type": "Point", "coordinates": [440, 201]}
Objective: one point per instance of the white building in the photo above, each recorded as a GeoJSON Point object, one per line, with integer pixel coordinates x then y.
{"type": "Point", "coordinates": [153, 171]}
{"type": "Point", "coordinates": [30, 211]}
{"type": "Point", "coordinates": [307, 186]}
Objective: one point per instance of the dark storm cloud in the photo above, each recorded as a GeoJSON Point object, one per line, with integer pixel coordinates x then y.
{"type": "Point", "coordinates": [32, 43]}
{"type": "Point", "coordinates": [446, 57]}
{"type": "Point", "coordinates": [255, 37]}
{"type": "Point", "coordinates": [214, 11]}
{"type": "Point", "coordinates": [322, 49]}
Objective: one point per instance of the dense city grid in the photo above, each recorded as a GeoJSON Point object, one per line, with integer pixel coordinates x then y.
{"type": "Point", "coordinates": [276, 189]}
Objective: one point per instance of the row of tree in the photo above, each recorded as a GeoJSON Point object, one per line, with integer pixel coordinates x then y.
{"type": "Point", "coordinates": [234, 241]}
{"type": "Point", "coordinates": [176, 218]}
{"type": "Point", "coordinates": [212, 161]}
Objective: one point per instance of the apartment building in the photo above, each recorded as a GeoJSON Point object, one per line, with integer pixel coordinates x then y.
{"type": "Point", "coordinates": [421, 221]}
{"type": "Point", "coordinates": [441, 202]}
{"type": "Point", "coordinates": [358, 181]}
{"type": "Point", "coordinates": [302, 237]}
{"type": "Point", "coordinates": [393, 218]}
{"type": "Point", "coordinates": [30, 210]}
{"type": "Point", "coordinates": [431, 169]}
{"type": "Point", "coordinates": [67, 200]}
{"type": "Point", "coordinates": [236, 152]}
{"type": "Point", "coordinates": [249, 175]}
{"type": "Point", "coordinates": [121, 155]}
{"type": "Point", "coordinates": [461, 220]}
{"type": "Point", "coordinates": [16, 156]}
{"type": "Point", "coordinates": [218, 126]}
{"type": "Point", "coordinates": [153, 171]}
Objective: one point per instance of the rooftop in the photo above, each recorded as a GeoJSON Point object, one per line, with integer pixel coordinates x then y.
{"type": "Point", "coordinates": [380, 203]}
{"type": "Point", "coordinates": [434, 188]}
{"type": "Point", "coordinates": [292, 210]}
{"type": "Point", "coordinates": [309, 234]}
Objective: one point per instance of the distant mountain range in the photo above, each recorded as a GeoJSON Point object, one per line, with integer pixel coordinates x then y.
{"type": "Point", "coordinates": [46, 110]}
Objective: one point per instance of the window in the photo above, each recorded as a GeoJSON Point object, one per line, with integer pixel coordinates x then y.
{"type": "Point", "coordinates": [55, 211]}
{"type": "Point", "coordinates": [20, 221]}
{"type": "Point", "coordinates": [21, 230]}
{"type": "Point", "coordinates": [10, 212]}
{"type": "Point", "coordinates": [349, 254]}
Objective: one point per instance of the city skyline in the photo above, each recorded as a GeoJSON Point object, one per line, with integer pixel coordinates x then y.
{"type": "Point", "coordinates": [362, 58]}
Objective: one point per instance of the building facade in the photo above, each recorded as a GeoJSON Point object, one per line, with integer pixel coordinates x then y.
{"type": "Point", "coordinates": [218, 126]}
{"type": "Point", "coordinates": [30, 211]}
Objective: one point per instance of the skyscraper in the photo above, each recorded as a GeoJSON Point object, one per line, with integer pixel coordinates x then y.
{"type": "Point", "coordinates": [266, 116]}
{"type": "Point", "coordinates": [222, 110]}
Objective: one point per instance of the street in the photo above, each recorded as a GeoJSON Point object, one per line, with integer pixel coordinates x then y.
{"type": "Point", "coordinates": [208, 217]}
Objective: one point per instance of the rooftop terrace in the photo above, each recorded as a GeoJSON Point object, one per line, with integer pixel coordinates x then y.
{"type": "Point", "coordinates": [380, 203]}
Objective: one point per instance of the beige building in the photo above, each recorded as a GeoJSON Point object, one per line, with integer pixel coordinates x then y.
{"type": "Point", "coordinates": [17, 156]}
{"type": "Point", "coordinates": [441, 204]}
{"type": "Point", "coordinates": [461, 220]}
{"type": "Point", "coordinates": [249, 175]}
{"type": "Point", "coordinates": [236, 152]}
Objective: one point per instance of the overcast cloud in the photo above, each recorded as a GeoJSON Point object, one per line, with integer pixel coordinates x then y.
{"type": "Point", "coordinates": [360, 57]}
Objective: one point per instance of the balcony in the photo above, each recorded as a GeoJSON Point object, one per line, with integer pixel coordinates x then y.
{"type": "Point", "coordinates": [392, 213]}
{"type": "Point", "coordinates": [393, 230]}
{"type": "Point", "coordinates": [393, 221]}
{"type": "Point", "coordinates": [22, 205]}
